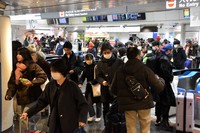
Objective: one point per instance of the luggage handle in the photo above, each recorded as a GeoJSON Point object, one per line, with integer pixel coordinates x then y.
{"type": "Point", "coordinates": [20, 124]}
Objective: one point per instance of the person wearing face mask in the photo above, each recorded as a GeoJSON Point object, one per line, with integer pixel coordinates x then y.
{"type": "Point", "coordinates": [106, 69]}
{"type": "Point", "coordinates": [150, 58]}
{"type": "Point", "coordinates": [67, 104]}
{"type": "Point", "coordinates": [179, 56]}
{"type": "Point", "coordinates": [88, 73]}
{"type": "Point", "coordinates": [166, 98]}
{"type": "Point", "coordinates": [73, 62]}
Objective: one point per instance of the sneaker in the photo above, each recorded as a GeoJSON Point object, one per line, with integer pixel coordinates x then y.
{"type": "Point", "coordinates": [97, 119]}
{"type": "Point", "coordinates": [90, 119]}
{"type": "Point", "coordinates": [157, 123]}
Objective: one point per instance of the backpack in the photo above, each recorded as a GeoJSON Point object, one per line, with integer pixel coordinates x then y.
{"type": "Point", "coordinates": [59, 50]}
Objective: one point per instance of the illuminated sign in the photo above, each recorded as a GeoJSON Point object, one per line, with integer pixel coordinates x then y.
{"type": "Point", "coordinates": [76, 13]}
{"type": "Point", "coordinates": [171, 4]}
{"type": "Point", "coordinates": [188, 3]}
{"type": "Point", "coordinates": [186, 13]}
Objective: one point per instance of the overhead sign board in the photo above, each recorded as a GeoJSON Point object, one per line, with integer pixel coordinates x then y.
{"type": "Point", "coordinates": [81, 13]}
{"type": "Point", "coordinates": [75, 13]}
{"type": "Point", "coordinates": [173, 4]}
{"type": "Point", "coordinates": [188, 3]}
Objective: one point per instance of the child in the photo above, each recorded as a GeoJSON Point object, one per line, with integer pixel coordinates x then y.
{"type": "Point", "coordinates": [88, 73]}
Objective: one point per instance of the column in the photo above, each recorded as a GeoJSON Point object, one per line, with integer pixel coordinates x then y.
{"type": "Point", "coordinates": [182, 34]}
{"type": "Point", "coordinates": [6, 107]}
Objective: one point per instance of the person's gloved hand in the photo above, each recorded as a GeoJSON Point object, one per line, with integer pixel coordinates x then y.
{"type": "Point", "coordinates": [7, 97]}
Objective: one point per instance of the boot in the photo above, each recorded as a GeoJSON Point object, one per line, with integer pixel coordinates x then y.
{"type": "Point", "coordinates": [165, 125]}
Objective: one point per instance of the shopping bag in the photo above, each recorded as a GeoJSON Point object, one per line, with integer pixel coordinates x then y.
{"type": "Point", "coordinates": [96, 90]}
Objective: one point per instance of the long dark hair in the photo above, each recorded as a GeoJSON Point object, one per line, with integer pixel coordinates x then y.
{"type": "Point", "coordinates": [25, 53]}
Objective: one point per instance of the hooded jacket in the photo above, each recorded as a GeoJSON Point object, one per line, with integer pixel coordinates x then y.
{"type": "Point", "coordinates": [144, 76]}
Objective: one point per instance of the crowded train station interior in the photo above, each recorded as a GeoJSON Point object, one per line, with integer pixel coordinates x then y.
{"type": "Point", "coordinates": [100, 66]}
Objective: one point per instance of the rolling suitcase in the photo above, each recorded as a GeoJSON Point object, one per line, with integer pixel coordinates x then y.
{"type": "Point", "coordinates": [185, 112]}
{"type": "Point", "coordinates": [24, 123]}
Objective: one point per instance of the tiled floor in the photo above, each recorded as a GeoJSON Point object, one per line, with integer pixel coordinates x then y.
{"type": "Point", "coordinates": [95, 127]}
{"type": "Point", "coordinates": [98, 127]}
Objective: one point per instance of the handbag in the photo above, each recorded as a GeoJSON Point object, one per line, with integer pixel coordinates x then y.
{"type": "Point", "coordinates": [79, 130]}
{"type": "Point", "coordinates": [96, 90]}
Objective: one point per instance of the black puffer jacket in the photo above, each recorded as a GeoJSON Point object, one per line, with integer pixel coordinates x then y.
{"type": "Point", "coordinates": [105, 72]}
{"type": "Point", "coordinates": [164, 70]}
{"type": "Point", "coordinates": [179, 57]}
{"type": "Point", "coordinates": [75, 63]}
{"type": "Point", "coordinates": [144, 76]}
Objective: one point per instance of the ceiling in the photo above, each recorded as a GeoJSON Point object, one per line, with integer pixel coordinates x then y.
{"type": "Point", "coordinates": [40, 6]}
{"type": "Point", "coordinates": [17, 7]}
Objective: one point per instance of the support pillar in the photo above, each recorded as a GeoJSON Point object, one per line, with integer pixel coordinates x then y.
{"type": "Point", "coordinates": [182, 34]}
{"type": "Point", "coordinates": [6, 107]}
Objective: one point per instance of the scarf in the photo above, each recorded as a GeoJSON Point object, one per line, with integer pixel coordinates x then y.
{"type": "Point", "coordinates": [18, 71]}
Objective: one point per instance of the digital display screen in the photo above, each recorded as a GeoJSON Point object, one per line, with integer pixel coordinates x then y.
{"type": "Point", "coordinates": [132, 16]}
{"type": "Point", "coordinates": [84, 19]}
{"type": "Point", "coordinates": [51, 21]}
{"type": "Point", "coordinates": [186, 13]}
{"type": "Point", "coordinates": [62, 21]}
{"type": "Point", "coordinates": [129, 16]}
{"type": "Point", "coordinates": [115, 17]}
{"type": "Point", "coordinates": [95, 18]}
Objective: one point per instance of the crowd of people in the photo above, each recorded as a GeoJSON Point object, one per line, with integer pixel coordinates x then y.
{"type": "Point", "coordinates": [150, 62]}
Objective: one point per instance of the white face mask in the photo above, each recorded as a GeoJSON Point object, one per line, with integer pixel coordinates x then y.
{"type": "Point", "coordinates": [107, 56]}
{"type": "Point", "coordinates": [88, 62]}
{"type": "Point", "coordinates": [154, 48]}
{"type": "Point", "coordinates": [56, 75]}
{"type": "Point", "coordinates": [175, 46]}
{"type": "Point", "coordinates": [149, 51]}
{"type": "Point", "coordinates": [139, 47]}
